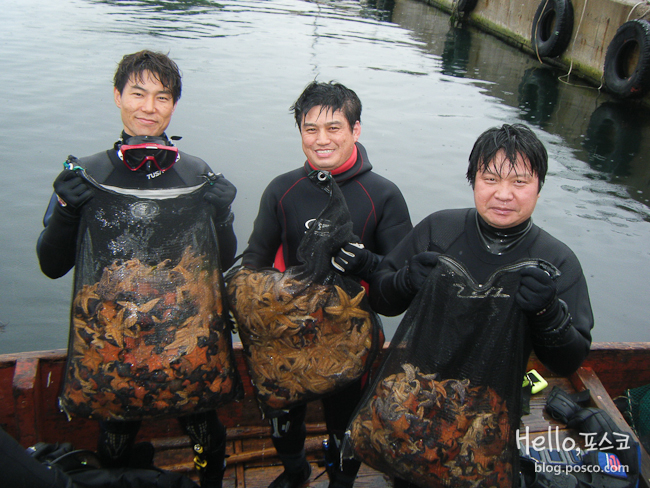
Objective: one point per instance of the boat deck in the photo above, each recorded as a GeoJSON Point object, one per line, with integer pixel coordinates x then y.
{"type": "Point", "coordinates": [30, 383]}
{"type": "Point", "coordinates": [252, 462]}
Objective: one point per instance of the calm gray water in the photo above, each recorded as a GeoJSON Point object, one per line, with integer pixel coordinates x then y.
{"type": "Point", "coordinates": [428, 90]}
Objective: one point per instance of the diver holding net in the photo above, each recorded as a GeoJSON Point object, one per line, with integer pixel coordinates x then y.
{"type": "Point", "coordinates": [484, 287]}
{"type": "Point", "coordinates": [292, 207]}
{"type": "Point", "coordinates": [148, 230]}
{"type": "Point", "coordinates": [307, 331]}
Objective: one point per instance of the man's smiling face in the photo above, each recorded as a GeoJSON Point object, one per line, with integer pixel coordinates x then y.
{"type": "Point", "coordinates": [327, 138]}
{"type": "Point", "coordinates": [146, 105]}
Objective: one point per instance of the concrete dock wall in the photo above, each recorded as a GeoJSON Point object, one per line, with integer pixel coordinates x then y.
{"type": "Point", "coordinates": [595, 24]}
{"type": "Point", "coordinates": [610, 135]}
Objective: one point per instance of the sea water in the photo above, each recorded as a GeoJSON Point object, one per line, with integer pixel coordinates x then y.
{"type": "Point", "coordinates": [428, 89]}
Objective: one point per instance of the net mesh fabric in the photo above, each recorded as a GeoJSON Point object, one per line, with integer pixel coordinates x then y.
{"type": "Point", "coordinates": [639, 413]}
{"type": "Point", "coordinates": [446, 403]}
{"type": "Point", "coordinates": [308, 331]}
{"type": "Point", "coordinates": [149, 336]}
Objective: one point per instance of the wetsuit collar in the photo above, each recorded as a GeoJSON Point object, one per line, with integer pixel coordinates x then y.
{"type": "Point", "coordinates": [500, 241]}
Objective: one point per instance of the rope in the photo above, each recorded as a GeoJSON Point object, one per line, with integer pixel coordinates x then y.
{"type": "Point", "coordinates": [647, 2]}
{"type": "Point", "coordinates": [536, 31]}
{"type": "Point", "coordinates": [575, 38]}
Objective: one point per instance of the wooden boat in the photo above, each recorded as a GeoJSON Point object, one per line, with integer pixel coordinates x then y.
{"type": "Point", "coordinates": [30, 383]}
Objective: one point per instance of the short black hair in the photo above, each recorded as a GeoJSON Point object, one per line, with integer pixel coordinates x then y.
{"type": "Point", "coordinates": [329, 96]}
{"type": "Point", "coordinates": [158, 64]}
{"type": "Point", "coordinates": [515, 140]}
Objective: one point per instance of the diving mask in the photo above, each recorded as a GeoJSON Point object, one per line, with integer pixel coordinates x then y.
{"type": "Point", "coordinates": [139, 151]}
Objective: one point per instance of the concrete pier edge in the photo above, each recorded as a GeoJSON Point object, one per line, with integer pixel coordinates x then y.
{"type": "Point", "coordinates": [595, 24]}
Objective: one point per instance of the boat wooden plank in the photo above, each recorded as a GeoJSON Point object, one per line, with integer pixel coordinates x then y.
{"type": "Point", "coordinates": [261, 476]}
{"type": "Point", "coordinates": [240, 478]}
{"type": "Point", "coordinates": [7, 411]}
{"type": "Point", "coordinates": [259, 452]}
{"type": "Point", "coordinates": [586, 379]}
{"type": "Point", "coordinates": [254, 463]}
{"type": "Point", "coordinates": [539, 426]}
{"type": "Point", "coordinates": [620, 365]}
{"type": "Point", "coordinates": [538, 420]}
{"type": "Point", "coordinates": [47, 355]}
{"type": "Point", "coordinates": [27, 399]}
{"type": "Point", "coordinates": [540, 423]}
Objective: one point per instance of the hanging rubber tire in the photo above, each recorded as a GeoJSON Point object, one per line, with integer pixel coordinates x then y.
{"type": "Point", "coordinates": [538, 95]}
{"type": "Point", "coordinates": [456, 52]}
{"type": "Point", "coordinates": [613, 137]}
{"type": "Point", "coordinates": [464, 7]}
{"type": "Point", "coordinates": [627, 61]}
{"type": "Point", "coordinates": [552, 28]}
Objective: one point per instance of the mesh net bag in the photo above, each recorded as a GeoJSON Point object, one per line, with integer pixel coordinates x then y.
{"type": "Point", "coordinates": [638, 405]}
{"type": "Point", "coordinates": [445, 405]}
{"type": "Point", "coordinates": [149, 336]}
{"type": "Point", "coordinates": [307, 331]}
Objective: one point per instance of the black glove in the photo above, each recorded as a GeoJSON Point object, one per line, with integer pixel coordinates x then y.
{"type": "Point", "coordinates": [354, 259]}
{"type": "Point", "coordinates": [537, 292]}
{"type": "Point", "coordinates": [410, 279]}
{"type": "Point", "coordinates": [594, 421]}
{"type": "Point", "coordinates": [72, 190]}
{"type": "Point", "coordinates": [420, 267]}
{"type": "Point", "coordinates": [220, 195]}
{"type": "Point", "coordinates": [548, 316]}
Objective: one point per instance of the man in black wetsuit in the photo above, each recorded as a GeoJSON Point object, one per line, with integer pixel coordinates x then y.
{"type": "Point", "coordinates": [147, 86]}
{"type": "Point", "coordinates": [507, 167]}
{"type": "Point", "coordinates": [328, 116]}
